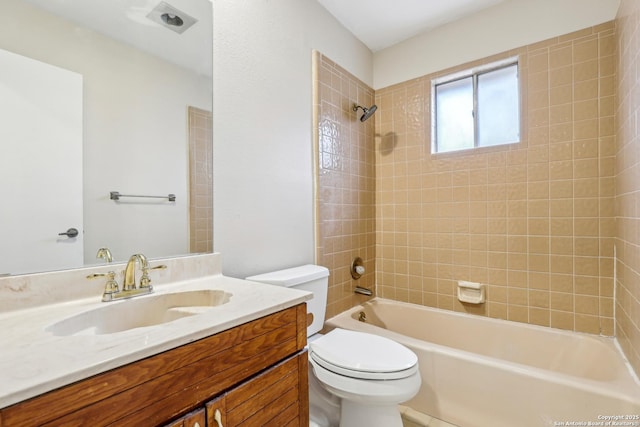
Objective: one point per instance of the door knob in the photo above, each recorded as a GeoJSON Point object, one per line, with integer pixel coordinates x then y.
{"type": "Point", "coordinates": [72, 232]}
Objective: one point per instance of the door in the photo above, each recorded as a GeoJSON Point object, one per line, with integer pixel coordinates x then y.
{"type": "Point", "coordinates": [40, 166]}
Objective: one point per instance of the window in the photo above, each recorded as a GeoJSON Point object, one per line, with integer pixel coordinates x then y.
{"type": "Point", "coordinates": [478, 108]}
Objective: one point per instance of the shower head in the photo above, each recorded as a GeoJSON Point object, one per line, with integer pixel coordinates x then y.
{"type": "Point", "coordinates": [368, 112]}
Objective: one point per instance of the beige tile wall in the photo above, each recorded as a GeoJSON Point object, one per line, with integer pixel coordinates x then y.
{"type": "Point", "coordinates": [200, 181]}
{"type": "Point", "coordinates": [533, 221]}
{"type": "Point", "coordinates": [345, 181]}
{"type": "Point", "coordinates": [628, 182]}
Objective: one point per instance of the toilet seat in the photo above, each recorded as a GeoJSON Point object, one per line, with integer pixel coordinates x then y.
{"type": "Point", "coordinates": [363, 356]}
{"type": "Point", "coordinates": [365, 391]}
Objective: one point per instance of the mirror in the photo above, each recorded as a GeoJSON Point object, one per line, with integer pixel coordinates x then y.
{"type": "Point", "coordinates": [145, 102]}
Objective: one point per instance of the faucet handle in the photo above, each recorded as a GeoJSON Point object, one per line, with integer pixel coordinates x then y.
{"type": "Point", "coordinates": [111, 287]}
{"type": "Point", "coordinates": [145, 280]}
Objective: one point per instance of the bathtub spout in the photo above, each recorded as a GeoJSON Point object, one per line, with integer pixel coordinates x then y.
{"type": "Point", "coordinates": [363, 291]}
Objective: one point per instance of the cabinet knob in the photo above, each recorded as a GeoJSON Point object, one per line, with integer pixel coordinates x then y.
{"type": "Point", "coordinates": [218, 418]}
{"type": "Point", "coordinates": [197, 424]}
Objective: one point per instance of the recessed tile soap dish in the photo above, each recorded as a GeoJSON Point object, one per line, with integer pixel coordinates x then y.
{"type": "Point", "coordinates": [471, 292]}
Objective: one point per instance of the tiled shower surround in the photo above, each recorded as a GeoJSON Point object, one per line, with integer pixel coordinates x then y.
{"type": "Point", "coordinates": [628, 182]}
{"type": "Point", "coordinates": [537, 222]}
{"type": "Point", "coordinates": [346, 181]}
{"type": "Point", "coordinates": [533, 221]}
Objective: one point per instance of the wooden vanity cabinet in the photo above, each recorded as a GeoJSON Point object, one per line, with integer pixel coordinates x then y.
{"type": "Point", "coordinates": [253, 375]}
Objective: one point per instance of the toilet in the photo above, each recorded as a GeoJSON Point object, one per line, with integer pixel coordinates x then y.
{"type": "Point", "coordinates": [355, 379]}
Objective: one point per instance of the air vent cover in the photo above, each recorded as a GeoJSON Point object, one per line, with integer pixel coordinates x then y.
{"type": "Point", "coordinates": [171, 18]}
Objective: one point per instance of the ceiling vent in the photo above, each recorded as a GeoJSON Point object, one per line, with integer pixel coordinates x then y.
{"type": "Point", "coordinates": [171, 18]}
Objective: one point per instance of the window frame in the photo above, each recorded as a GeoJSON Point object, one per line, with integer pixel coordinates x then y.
{"type": "Point", "coordinates": [474, 73]}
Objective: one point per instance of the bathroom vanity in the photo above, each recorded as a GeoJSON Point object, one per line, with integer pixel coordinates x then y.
{"type": "Point", "coordinates": [217, 377]}
{"type": "Point", "coordinates": [240, 363]}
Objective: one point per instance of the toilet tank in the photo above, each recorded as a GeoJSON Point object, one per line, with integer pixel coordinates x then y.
{"type": "Point", "coordinates": [311, 278]}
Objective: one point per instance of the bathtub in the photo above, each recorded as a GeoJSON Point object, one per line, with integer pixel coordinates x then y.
{"type": "Point", "coordinates": [482, 372]}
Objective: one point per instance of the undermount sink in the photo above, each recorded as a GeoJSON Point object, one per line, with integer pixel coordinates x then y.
{"type": "Point", "coordinates": [140, 312]}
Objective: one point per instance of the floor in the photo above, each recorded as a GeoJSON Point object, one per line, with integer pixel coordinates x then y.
{"type": "Point", "coordinates": [411, 418]}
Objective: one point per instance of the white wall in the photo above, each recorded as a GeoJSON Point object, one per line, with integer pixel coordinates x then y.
{"type": "Point", "coordinates": [135, 130]}
{"type": "Point", "coordinates": [263, 167]}
{"type": "Point", "coordinates": [508, 25]}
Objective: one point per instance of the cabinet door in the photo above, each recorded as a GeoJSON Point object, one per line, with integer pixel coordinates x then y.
{"type": "Point", "coordinates": [277, 397]}
{"type": "Point", "coordinates": [193, 419]}
{"type": "Point", "coordinates": [216, 412]}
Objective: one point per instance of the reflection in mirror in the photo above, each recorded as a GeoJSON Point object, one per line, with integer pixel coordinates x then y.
{"type": "Point", "coordinates": [133, 92]}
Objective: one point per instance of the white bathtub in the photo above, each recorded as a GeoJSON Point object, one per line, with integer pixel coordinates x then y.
{"type": "Point", "coordinates": [481, 372]}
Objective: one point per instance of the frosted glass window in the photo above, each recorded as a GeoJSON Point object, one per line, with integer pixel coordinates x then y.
{"type": "Point", "coordinates": [479, 109]}
{"type": "Point", "coordinates": [454, 115]}
{"type": "Point", "coordinates": [498, 107]}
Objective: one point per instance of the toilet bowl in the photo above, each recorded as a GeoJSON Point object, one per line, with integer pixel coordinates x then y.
{"type": "Point", "coordinates": [370, 374]}
{"type": "Point", "coordinates": [324, 406]}
{"type": "Point", "coordinates": [355, 379]}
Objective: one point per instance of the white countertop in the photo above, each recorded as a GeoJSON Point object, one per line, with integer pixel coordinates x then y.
{"type": "Point", "coordinates": [34, 361]}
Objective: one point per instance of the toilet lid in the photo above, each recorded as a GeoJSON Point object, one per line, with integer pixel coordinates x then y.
{"type": "Point", "coordinates": [363, 355]}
